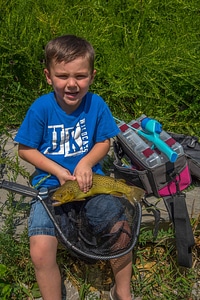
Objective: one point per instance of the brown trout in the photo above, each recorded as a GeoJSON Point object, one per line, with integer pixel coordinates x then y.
{"type": "Point", "coordinates": [70, 190]}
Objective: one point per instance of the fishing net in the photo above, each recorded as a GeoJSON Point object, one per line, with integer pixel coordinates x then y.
{"type": "Point", "coordinates": [101, 228]}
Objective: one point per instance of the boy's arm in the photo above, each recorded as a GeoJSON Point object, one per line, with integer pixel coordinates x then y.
{"type": "Point", "coordinates": [40, 161]}
{"type": "Point", "coordinates": [83, 170]}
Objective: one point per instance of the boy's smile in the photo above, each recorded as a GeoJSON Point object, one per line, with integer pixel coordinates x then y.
{"type": "Point", "coordinates": [70, 82]}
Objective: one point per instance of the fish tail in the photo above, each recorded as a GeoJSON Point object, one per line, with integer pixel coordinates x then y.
{"type": "Point", "coordinates": [131, 197]}
{"type": "Point", "coordinates": [136, 195]}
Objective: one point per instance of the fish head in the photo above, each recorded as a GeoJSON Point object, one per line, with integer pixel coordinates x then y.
{"type": "Point", "coordinates": [61, 197]}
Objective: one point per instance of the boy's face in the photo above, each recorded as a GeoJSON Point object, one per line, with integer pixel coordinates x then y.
{"type": "Point", "coordinates": [70, 82]}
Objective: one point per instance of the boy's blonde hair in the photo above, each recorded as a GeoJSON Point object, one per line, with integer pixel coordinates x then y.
{"type": "Point", "coordinates": [67, 48]}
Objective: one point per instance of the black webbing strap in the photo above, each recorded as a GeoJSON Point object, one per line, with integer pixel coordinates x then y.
{"type": "Point", "coordinates": [151, 208]}
{"type": "Point", "coordinates": [178, 213]}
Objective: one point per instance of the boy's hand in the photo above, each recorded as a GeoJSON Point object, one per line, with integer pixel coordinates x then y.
{"type": "Point", "coordinates": [65, 175]}
{"type": "Point", "coordinates": [83, 170]}
{"type": "Point", "coordinates": [84, 178]}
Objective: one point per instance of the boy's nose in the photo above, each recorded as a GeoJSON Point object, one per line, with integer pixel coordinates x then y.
{"type": "Point", "coordinates": [71, 82]}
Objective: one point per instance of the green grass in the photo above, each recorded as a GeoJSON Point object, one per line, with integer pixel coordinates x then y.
{"type": "Point", "coordinates": [147, 56]}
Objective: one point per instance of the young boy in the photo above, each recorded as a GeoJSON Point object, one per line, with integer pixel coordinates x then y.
{"type": "Point", "coordinates": [66, 133]}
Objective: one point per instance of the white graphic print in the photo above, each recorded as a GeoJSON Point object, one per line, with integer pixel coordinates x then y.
{"type": "Point", "coordinates": [68, 141]}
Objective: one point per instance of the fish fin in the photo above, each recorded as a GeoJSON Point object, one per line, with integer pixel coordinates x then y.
{"type": "Point", "coordinates": [78, 199]}
{"type": "Point", "coordinates": [121, 180]}
{"type": "Point", "coordinates": [56, 203]}
{"type": "Point", "coordinates": [117, 194]}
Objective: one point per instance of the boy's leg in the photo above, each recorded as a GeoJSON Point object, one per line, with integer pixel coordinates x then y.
{"type": "Point", "coordinates": [100, 210]}
{"type": "Point", "coordinates": [122, 266]}
{"type": "Point", "coordinates": [43, 249]}
{"type": "Point", "coordinates": [122, 270]}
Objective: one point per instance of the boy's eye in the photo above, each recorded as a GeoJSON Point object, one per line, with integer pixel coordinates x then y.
{"type": "Point", "coordinates": [78, 77]}
{"type": "Point", "coordinates": [81, 76]}
{"type": "Point", "coordinates": [62, 76]}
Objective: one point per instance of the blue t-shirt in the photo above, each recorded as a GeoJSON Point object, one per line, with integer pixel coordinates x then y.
{"type": "Point", "coordinates": [65, 138]}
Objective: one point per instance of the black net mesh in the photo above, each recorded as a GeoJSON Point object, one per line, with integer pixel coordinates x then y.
{"type": "Point", "coordinates": [85, 237]}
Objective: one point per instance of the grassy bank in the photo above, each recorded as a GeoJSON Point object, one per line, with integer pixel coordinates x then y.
{"type": "Point", "coordinates": [147, 55]}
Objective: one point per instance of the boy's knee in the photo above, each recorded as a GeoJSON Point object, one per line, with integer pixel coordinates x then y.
{"type": "Point", "coordinates": [43, 251]}
{"type": "Point", "coordinates": [38, 257]}
{"type": "Point", "coordinates": [125, 235]}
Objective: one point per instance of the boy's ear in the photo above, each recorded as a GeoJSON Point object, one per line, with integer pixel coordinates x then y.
{"type": "Point", "coordinates": [48, 77]}
{"type": "Point", "coordinates": [93, 75]}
